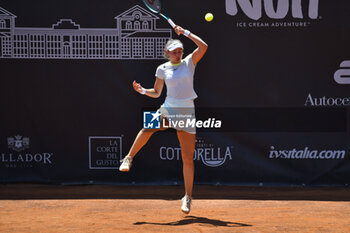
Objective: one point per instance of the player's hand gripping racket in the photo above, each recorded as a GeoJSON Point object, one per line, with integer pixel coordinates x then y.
{"type": "Point", "coordinates": [156, 7]}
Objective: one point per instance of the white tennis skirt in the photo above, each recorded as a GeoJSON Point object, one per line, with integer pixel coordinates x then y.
{"type": "Point", "coordinates": [180, 114]}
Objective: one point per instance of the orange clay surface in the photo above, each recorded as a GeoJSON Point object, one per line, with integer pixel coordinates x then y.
{"type": "Point", "coordinates": [99, 208]}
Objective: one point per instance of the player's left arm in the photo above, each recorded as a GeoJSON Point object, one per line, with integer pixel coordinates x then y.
{"type": "Point", "coordinates": [154, 92]}
{"type": "Point", "coordinates": [202, 47]}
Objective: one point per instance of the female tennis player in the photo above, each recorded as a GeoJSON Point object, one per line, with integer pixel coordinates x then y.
{"type": "Point", "coordinates": [177, 74]}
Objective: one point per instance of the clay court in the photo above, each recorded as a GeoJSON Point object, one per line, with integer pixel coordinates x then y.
{"type": "Point", "coordinates": [99, 208]}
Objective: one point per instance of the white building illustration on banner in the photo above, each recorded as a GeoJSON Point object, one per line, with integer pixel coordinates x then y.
{"type": "Point", "coordinates": [135, 37]}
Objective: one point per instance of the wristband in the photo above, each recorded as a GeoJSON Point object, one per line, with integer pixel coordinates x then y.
{"type": "Point", "coordinates": [187, 33]}
{"type": "Point", "coordinates": [143, 91]}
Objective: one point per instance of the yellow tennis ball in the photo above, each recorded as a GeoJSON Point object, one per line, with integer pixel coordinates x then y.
{"type": "Point", "coordinates": [209, 17]}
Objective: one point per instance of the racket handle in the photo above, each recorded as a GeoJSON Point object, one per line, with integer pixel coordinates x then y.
{"type": "Point", "coordinates": [171, 23]}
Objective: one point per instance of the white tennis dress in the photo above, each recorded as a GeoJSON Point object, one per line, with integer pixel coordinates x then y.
{"type": "Point", "coordinates": [180, 93]}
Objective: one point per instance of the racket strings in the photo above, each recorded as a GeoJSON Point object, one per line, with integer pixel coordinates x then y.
{"type": "Point", "coordinates": [153, 5]}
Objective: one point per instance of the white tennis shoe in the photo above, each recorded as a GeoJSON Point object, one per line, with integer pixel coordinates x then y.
{"type": "Point", "coordinates": [186, 204]}
{"type": "Point", "coordinates": [126, 164]}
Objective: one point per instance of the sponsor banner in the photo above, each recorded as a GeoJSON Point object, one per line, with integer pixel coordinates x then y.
{"type": "Point", "coordinates": [327, 101]}
{"type": "Point", "coordinates": [209, 154]}
{"type": "Point", "coordinates": [273, 14]}
{"type": "Point", "coordinates": [273, 92]}
{"type": "Point", "coordinates": [306, 153]}
{"type": "Point", "coordinates": [20, 155]}
{"type": "Point", "coordinates": [342, 77]}
{"type": "Point", "coordinates": [105, 152]}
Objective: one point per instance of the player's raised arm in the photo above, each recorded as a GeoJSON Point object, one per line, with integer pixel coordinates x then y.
{"type": "Point", "coordinates": [199, 52]}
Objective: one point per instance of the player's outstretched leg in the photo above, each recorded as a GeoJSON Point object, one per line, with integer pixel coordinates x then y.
{"type": "Point", "coordinates": [141, 139]}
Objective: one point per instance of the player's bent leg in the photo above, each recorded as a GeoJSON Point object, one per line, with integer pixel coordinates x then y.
{"type": "Point", "coordinates": [141, 139]}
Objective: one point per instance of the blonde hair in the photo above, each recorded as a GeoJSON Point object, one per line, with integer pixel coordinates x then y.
{"type": "Point", "coordinates": [165, 55]}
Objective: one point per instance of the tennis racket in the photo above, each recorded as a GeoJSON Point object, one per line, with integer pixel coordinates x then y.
{"type": "Point", "coordinates": [156, 7]}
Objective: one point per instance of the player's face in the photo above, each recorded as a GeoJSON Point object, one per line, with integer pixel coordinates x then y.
{"type": "Point", "coordinates": [175, 56]}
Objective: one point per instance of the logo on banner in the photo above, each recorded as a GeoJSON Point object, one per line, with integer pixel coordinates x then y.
{"type": "Point", "coordinates": [18, 158]}
{"type": "Point", "coordinates": [18, 143]}
{"type": "Point", "coordinates": [209, 154]}
{"type": "Point", "coordinates": [136, 37]}
{"type": "Point", "coordinates": [151, 120]}
{"type": "Point", "coordinates": [327, 101]}
{"type": "Point", "coordinates": [105, 152]}
{"type": "Point", "coordinates": [306, 153]}
{"type": "Point", "coordinates": [342, 76]}
{"type": "Point", "coordinates": [254, 10]}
